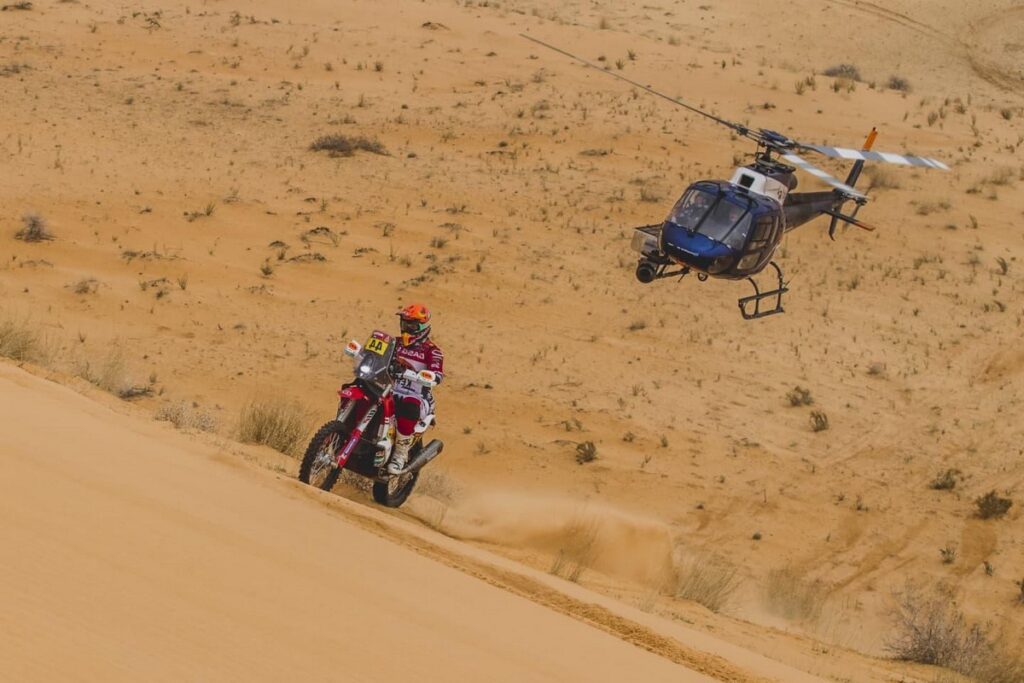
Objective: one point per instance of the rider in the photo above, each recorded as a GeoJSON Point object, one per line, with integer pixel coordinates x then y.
{"type": "Point", "coordinates": [413, 401]}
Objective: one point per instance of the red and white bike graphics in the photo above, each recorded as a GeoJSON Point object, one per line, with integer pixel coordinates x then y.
{"type": "Point", "coordinates": [362, 436]}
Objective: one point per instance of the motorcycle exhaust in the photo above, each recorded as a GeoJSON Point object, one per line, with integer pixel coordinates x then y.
{"type": "Point", "coordinates": [426, 454]}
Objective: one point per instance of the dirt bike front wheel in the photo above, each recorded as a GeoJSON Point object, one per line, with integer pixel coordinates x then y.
{"type": "Point", "coordinates": [318, 468]}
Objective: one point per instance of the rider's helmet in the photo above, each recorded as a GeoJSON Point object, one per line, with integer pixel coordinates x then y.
{"type": "Point", "coordinates": [415, 324]}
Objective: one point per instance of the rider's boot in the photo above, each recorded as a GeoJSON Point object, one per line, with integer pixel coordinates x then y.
{"type": "Point", "coordinates": [401, 455]}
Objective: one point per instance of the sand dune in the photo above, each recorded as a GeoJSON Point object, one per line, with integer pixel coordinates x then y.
{"type": "Point", "coordinates": [129, 554]}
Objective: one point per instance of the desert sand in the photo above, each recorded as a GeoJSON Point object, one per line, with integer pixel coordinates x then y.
{"type": "Point", "coordinates": [203, 254]}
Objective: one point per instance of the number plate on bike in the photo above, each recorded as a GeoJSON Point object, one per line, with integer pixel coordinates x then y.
{"type": "Point", "coordinates": [378, 346]}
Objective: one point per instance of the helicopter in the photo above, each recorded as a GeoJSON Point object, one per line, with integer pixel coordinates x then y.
{"type": "Point", "coordinates": [730, 229]}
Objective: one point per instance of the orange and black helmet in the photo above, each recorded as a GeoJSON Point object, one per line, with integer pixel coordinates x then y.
{"type": "Point", "coordinates": [415, 324]}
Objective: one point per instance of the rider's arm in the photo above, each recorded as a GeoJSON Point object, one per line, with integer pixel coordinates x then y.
{"type": "Point", "coordinates": [436, 363]}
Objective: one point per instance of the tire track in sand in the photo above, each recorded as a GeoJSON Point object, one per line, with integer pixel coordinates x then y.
{"type": "Point", "coordinates": [531, 589]}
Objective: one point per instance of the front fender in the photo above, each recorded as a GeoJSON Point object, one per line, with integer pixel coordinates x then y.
{"type": "Point", "coordinates": [352, 393]}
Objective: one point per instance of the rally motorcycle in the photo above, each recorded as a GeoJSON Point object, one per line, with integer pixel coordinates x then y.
{"type": "Point", "coordinates": [362, 437]}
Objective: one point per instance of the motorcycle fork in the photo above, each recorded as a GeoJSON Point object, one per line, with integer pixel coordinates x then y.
{"type": "Point", "coordinates": [386, 433]}
{"type": "Point", "coordinates": [345, 409]}
{"type": "Point", "coordinates": [356, 435]}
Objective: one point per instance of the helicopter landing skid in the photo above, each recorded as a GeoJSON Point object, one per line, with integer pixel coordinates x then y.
{"type": "Point", "coordinates": [758, 296]}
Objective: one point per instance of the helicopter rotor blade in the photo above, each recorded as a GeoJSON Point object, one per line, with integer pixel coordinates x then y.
{"type": "Point", "coordinates": [740, 129]}
{"type": "Point", "coordinates": [888, 157]}
{"type": "Point", "coordinates": [804, 165]}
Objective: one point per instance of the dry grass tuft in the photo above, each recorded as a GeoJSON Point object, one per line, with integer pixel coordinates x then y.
{"type": "Point", "coordinates": [790, 595]}
{"type": "Point", "coordinates": [946, 481]}
{"type": "Point", "coordinates": [282, 425]}
{"type": "Point", "coordinates": [799, 396]}
{"type": "Point", "coordinates": [709, 581]}
{"type": "Point", "coordinates": [33, 229]}
{"type": "Point", "coordinates": [345, 146]}
{"type": "Point", "coordinates": [185, 415]}
{"type": "Point", "coordinates": [111, 375]}
{"type": "Point", "coordinates": [23, 342]}
{"type": "Point", "coordinates": [847, 71]}
{"type": "Point", "coordinates": [992, 506]}
{"type": "Point", "coordinates": [579, 551]}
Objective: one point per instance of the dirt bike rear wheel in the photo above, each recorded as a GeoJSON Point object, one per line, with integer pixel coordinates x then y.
{"type": "Point", "coordinates": [317, 467]}
{"type": "Point", "coordinates": [393, 492]}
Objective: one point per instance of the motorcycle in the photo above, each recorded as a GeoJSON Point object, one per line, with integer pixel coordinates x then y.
{"type": "Point", "coordinates": [361, 438]}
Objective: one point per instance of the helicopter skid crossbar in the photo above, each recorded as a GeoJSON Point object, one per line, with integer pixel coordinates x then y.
{"type": "Point", "coordinates": [750, 306]}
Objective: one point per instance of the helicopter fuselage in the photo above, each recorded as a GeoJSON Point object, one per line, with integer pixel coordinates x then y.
{"type": "Point", "coordinates": [730, 229]}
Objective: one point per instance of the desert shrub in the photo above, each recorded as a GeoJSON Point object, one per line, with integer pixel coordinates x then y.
{"type": "Point", "coordinates": [799, 397]}
{"type": "Point", "coordinates": [945, 481]}
{"type": "Point", "coordinates": [86, 285]}
{"type": "Point", "coordinates": [21, 341]}
{"type": "Point", "coordinates": [898, 83]}
{"type": "Point", "coordinates": [708, 581]}
{"type": "Point", "coordinates": [932, 630]}
{"type": "Point", "coordinates": [186, 416]}
{"type": "Point", "coordinates": [790, 595]}
{"type": "Point", "coordinates": [33, 229]}
{"type": "Point", "coordinates": [847, 71]}
{"type": "Point", "coordinates": [111, 374]}
{"type": "Point", "coordinates": [819, 421]}
{"type": "Point", "coordinates": [345, 146]}
{"type": "Point", "coordinates": [579, 551]}
{"type": "Point", "coordinates": [274, 422]}
{"type": "Point", "coordinates": [991, 505]}
{"type": "Point", "coordinates": [586, 451]}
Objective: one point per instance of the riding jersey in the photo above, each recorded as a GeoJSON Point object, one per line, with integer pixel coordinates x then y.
{"type": "Point", "coordinates": [423, 356]}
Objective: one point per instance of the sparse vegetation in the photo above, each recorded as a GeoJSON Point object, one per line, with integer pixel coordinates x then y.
{"type": "Point", "coordinates": [586, 451]}
{"type": "Point", "coordinates": [345, 146]}
{"type": "Point", "coordinates": [847, 71]}
{"type": "Point", "coordinates": [707, 580]}
{"type": "Point", "coordinates": [185, 415]}
{"type": "Point", "coordinates": [111, 375]}
{"type": "Point", "coordinates": [932, 630]}
{"type": "Point", "coordinates": [282, 425]}
{"type": "Point", "coordinates": [946, 481]}
{"type": "Point", "coordinates": [948, 553]}
{"type": "Point", "coordinates": [898, 83]}
{"type": "Point", "coordinates": [579, 551]}
{"type": "Point", "coordinates": [799, 396]}
{"type": "Point", "coordinates": [819, 421]}
{"type": "Point", "coordinates": [86, 285]}
{"type": "Point", "coordinates": [21, 341]}
{"type": "Point", "coordinates": [992, 506]}
{"type": "Point", "coordinates": [790, 595]}
{"type": "Point", "coordinates": [33, 229]}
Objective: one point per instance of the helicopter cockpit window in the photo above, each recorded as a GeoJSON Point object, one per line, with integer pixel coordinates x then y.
{"type": "Point", "coordinates": [691, 208]}
{"type": "Point", "coordinates": [723, 218]}
{"type": "Point", "coordinates": [728, 223]}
